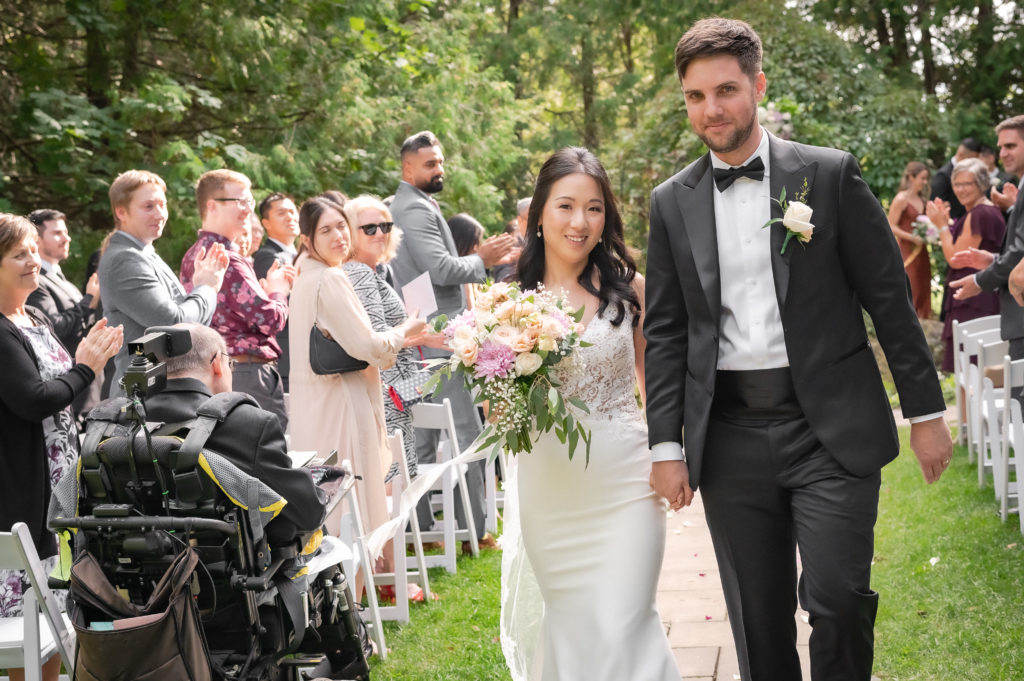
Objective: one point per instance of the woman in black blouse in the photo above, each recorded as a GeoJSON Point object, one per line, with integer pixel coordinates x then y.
{"type": "Point", "coordinates": [38, 437]}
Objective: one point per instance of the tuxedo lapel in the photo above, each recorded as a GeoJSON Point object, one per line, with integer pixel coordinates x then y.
{"type": "Point", "coordinates": [71, 295]}
{"type": "Point", "coordinates": [787, 170]}
{"type": "Point", "coordinates": [697, 209]}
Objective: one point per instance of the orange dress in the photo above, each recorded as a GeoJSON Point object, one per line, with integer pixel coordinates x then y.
{"type": "Point", "coordinates": [919, 267]}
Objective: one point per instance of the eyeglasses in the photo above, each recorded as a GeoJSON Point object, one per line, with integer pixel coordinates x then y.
{"type": "Point", "coordinates": [232, 363]}
{"type": "Point", "coordinates": [246, 201]}
{"type": "Point", "coordinates": [371, 229]}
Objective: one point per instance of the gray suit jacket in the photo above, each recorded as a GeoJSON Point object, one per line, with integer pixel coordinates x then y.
{"type": "Point", "coordinates": [427, 246]}
{"type": "Point", "coordinates": [139, 290]}
{"type": "Point", "coordinates": [996, 275]}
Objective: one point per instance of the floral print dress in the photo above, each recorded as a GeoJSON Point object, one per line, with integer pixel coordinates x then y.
{"type": "Point", "coordinates": [61, 436]}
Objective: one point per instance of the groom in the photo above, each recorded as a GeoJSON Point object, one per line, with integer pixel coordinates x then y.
{"type": "Point", "coordinates": [757, 346]}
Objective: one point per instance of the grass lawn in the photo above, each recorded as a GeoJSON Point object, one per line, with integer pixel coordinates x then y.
{"type": "Point", "coordinates": [963, 617]}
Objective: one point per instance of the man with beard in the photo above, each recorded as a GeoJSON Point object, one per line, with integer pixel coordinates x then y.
{"type": "Point", "coordinates": [763, 256]}
{"type": "Point", "coordinates": [427, 246]}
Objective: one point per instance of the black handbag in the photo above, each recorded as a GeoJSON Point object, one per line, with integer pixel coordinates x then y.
{"type": "Point", "coordinates": [327, 357]}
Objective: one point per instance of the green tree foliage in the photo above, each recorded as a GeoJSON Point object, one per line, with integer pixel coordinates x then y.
{"type": "Point", "coordinates": [314, 94]}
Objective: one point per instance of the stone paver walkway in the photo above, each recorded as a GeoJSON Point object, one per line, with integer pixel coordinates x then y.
{"type": "Point", "coordinates": [692, 606]}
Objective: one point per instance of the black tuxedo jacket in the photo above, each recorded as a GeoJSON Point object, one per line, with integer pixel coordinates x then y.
{"type": "Point", "coordinates": [265, 256]}
{"type": "Point", "coordinates": [66, 308]}
{"type": "Point", "coordinates": [851, 262]}
{"type": "Point", "coordinates": [253, 440]}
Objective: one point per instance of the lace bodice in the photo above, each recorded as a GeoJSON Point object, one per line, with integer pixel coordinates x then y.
{"type": "Point", "coordinates": [604, 374]}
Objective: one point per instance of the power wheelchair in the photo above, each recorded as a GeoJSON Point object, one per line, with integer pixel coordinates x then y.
{"type": "Point", "coordinates": [149, 506]}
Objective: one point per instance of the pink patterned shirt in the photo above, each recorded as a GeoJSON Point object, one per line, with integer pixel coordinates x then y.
{"type": "Point", "coordinates": [246, 315]}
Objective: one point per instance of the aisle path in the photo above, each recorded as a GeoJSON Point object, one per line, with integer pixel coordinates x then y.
{"type": "Point", "coordinates": [692, 606]}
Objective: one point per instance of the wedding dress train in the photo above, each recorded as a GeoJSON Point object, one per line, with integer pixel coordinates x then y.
{"type": "Point", "coordinates": [583, 544]}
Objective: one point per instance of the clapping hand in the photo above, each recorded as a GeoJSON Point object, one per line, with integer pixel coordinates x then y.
{"type": "Point", "coordinates": [974, 258]}
{"type": "Point", "coordinates": [279, 279]}
{"type": "Point", "coordinates": [1006, 198]}
{"type": "Point", "coordinates": [938, 212]}
{"type": "Point", "coordinates": [671, 480]}
{"type": "Point", "coordinates": [1016, 283]}
{"type": "Point", "coordinates": [210, 266]}
{"type": "Point", "coordinates": [497, 250]}
{"type": "Point", "coordinates": [100, 344]}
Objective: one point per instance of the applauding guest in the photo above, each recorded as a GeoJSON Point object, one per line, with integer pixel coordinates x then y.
{"type": "Point", "coordinates": [280, 221]}
{"type": "Point", "coordinates": [38, 437]}
{"type": "Point", "coordinates": [981, 227]}
{"type": "Point", "coordinates": [340, 411]}
{"type": "Point", "coordinates": [69, 311]}
{"type": "Point", "coordinates": [138, 289]}
{"type": "Point", "coordinates": [375, 239]}
{"type": "Point", "coordinates": [249, 312]}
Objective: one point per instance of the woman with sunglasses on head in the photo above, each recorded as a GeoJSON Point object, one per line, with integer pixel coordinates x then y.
{"type": "Point", "coordinates": [375, 240]}
{"type": "Point", "coordinates": [340, 411]}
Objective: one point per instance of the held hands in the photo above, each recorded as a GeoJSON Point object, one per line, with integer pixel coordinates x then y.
{"type": "Point", "coordinates": [279, 279]}
{"type": "Point", "coordinates": [429, 339]}
{"type": "Point", "coordinates": [92, 288]}
{"type": "Point", "coordinates": [100, 344]}
{"type": "Point", "coordinates": [210, 266]}
{"type": "Point", "coordinates": [933, 447]}
{"type": "Point", "coordinates": [498, 250]}
{"type": "Point", "coordinates": [414, 326]}
{"type": "Point", "coordinates": [671, 480]}
{"type": "Point", "coordinates": [1006, 198]}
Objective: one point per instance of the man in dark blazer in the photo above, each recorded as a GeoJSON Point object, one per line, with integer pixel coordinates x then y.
{"type": "Point", "coordinates": [71, 313]}
{"type": "Point", "coordinates": [996, 270]}
{"type": "Point", "coordinates": [249, 437]}
{"type": "Point", "coordinates": [756, 344]}
{"type": "Point", "coordinates": [280, 220]}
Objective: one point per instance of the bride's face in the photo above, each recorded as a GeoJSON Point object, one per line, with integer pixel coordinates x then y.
{"type": "Point", "coordinates": [572, 221]}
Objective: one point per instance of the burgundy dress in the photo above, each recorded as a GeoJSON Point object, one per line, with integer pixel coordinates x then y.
{"type": "Point", "coordinates": [986, 222]}
{"type": "Point", "coordinates": [919, 269]}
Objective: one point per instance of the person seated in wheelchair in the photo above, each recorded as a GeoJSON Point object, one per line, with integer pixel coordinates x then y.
{"type": "Point", "coordinates": [249, 437]}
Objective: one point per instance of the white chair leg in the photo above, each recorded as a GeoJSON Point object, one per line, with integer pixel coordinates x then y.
{"type": "Point", "coordinates": [30, 613]}
{"type": "Point", "coordinates": [474, 544]}
{"type": "Point", "coordinates": [448, 506]}
{"type": "Point", "coordinates": [420, 559]}
{"type": "Point", "coordinates": [491, 498]}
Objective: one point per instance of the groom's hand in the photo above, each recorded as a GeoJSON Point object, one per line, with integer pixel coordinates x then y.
{"type": "Point", "coordinates": [933, 447]}
{"type": "Point", "coordinates": [671, 480]}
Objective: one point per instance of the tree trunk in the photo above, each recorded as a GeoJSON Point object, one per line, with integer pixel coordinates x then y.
{"type": "Point", "coordinates": [97, 68]}
{"type": "Point", "coordinates": [627, 46]}
{"type": "Point", "coordinates": [513, 66]}
{"type": "Point", "coordinates": [924, 21]}
{"type": "Point", "coordinates": [589, 89]}
{"type": "Point", "coordinates": [900, 47]}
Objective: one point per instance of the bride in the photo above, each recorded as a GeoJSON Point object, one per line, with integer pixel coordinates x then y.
{"type": "Point", "coordinates": [583, 542]}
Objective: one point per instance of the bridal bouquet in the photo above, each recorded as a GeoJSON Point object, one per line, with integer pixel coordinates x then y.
{"type": "Point", "coordinates": [506, 348]}
{"type": "Point", "coordinates": [923, 228]}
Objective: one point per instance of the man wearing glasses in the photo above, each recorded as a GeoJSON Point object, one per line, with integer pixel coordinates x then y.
{"type": "Point", "coordinates": [137, 288]}
{"type": "Point", "coordinates": [250, 311]}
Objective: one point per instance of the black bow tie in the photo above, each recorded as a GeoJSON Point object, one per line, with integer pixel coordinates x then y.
{"type": "Point", "coordinates": [724, 177]}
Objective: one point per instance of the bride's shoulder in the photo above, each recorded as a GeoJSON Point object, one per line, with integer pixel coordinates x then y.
{"type": "Point", "coordinates": [638, 287]}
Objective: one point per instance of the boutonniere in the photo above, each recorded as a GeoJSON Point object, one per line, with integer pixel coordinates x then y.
{"type": "Point", "coordinates": [796, 216]}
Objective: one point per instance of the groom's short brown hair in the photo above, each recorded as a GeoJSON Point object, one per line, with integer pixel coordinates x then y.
{"type": "Point", "coordinates": [715, 36]}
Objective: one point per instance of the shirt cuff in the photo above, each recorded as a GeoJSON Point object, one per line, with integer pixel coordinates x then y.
{"type": "Point", "coordinates": [667, 451]}
{"type": "Point", "coordinates": [926, 417]}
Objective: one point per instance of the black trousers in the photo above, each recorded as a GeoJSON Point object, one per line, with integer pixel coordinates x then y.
{"type": "Point", "coordinates": [770, 487]}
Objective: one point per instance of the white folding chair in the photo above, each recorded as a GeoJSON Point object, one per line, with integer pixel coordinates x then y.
{"type": "Point", "coordinates": [439, 417]}
{"type": "Point", "coordinates": [973, 387]}
{"type": "Point", "coordinates": [960, 363]}
{"type": "Point", "coordinates": [493, 497]}
{"type": "Point", "coordinates": [990, 414]}
{"type": "Point", "coordinates": [346, 522]}
{"type": "Point", "coordinates": [399, 578]}
{"type": "Point", "coordinates": [1009, 457]}
{"type": "Point", "coordinates": [42, 632]}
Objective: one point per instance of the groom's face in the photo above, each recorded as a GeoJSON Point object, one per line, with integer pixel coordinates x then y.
{"type": "Point", "coordinates": [721, 102]}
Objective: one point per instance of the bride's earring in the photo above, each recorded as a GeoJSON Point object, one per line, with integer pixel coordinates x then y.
{"type": "Point", "coordinates": [540, 232]}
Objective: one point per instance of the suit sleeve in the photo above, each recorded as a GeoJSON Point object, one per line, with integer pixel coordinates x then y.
{"type": "Point", "coordinates": [261, 262]}
{"type": "Point", "coordinates": [665, 328]}
{"type": "Point", "coordinates": [873, 264]}
{"type": "Point", "coordinates": [997, 274]}
{"type": "Point", "coordinates": [70, 324]}
{"type": "Point", "coordinates": [430, 253]}
{"type": "Point", "coordinates": [132, 286]}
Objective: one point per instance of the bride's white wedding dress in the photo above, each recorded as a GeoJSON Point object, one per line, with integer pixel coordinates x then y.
{"type": "Point", "coordinates": [578, 602]}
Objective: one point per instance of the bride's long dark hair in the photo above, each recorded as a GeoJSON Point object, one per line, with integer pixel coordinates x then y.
{"type": "Point", "coordinates": [615, 268]}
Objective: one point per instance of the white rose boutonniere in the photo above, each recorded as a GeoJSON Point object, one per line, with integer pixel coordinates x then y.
{"type": "Point", "coordinates": [796, 216]}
